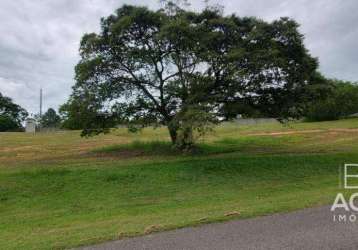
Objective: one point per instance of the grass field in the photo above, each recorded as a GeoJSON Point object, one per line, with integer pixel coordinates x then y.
{"type": "Point", "coordinates": [59, 190]}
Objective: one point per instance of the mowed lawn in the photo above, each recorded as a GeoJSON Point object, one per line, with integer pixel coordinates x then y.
{"type": "Point", "coordinates": [58, 190]}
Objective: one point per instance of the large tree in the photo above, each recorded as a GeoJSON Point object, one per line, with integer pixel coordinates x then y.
{"type": "Point", "coordinates": [11, 114]}
{"type": "Point", "coordinates": [185, 69]}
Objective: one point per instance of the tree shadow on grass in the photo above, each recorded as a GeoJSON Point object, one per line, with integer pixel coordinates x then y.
{"type": "Point", "coordinates": [162, 148]}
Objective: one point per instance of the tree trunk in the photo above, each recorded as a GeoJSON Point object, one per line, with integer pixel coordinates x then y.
{"type": "Point", "coordinates": [182, 140]}
{"type": "Point", "coordinates": [173, 134]}
{"type": "Point", "coordinates": [187, 140]}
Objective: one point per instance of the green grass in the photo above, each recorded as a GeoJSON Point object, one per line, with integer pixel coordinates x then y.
{"type": "Point", "coordinates": [60, 191]}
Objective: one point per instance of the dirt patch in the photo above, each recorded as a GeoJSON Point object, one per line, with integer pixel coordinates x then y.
{"type": "Point", "coordinates": [288, 132]}
{"type": "Point", "coordinates": [152, 228]}
{"type": "Point", "coordinates": [233, 213]}
{"type": "Point", "coordinates": [331, 131]}
{"type": "Point", "coordinates": [349, 130]}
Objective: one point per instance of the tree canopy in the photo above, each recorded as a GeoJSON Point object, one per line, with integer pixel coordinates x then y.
{"type": "Point", "coordinates": [185, 70]}
{"type": "Point", "coordinates": [50, 119]}
{"type": "Point", "coordinates": [11, 114]}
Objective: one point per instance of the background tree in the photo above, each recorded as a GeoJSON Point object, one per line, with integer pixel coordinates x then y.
{"type": "Point", "coordinates": [80, 113]}
{"type": "Point", "coordinates": [182, 69]}
{"type": "Point", "coordinates": [70, 113]}
{"type": "Point", "coordinates": [338, 100]}
{"type": "Point", "coordinates": [50, 119]}
{"type": "Point", "coordinates": [11, 114]}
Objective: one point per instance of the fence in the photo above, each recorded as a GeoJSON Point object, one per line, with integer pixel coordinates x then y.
{"type": "Point", "coordinates": [255, 121]}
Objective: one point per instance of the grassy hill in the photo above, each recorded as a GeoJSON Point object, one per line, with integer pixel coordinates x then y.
{"type": "Point", "coordinates": [58, 190]}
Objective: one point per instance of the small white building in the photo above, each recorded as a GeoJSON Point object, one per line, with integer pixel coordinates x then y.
{"type": "Point", "coordinates": [30, 125]}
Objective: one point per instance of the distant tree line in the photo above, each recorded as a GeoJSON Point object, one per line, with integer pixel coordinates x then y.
{"type": "Point", "coordinates": [327, 99]}
{"type": "Point", "coordinates": [333, 100]}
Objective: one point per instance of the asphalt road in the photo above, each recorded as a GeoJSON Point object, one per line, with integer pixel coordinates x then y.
{"type": "Point", "coordinates": [306, 229]}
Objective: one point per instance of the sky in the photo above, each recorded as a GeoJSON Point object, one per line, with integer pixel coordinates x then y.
{"type": "Point", "coordinates": [39, 39]}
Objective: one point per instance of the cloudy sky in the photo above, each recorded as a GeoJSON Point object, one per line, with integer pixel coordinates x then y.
{"type": "Point", "coordinates": [40, 38]}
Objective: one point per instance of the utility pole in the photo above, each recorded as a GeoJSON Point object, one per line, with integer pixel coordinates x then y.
{"type": "Point", "coordinates": [40, 103]}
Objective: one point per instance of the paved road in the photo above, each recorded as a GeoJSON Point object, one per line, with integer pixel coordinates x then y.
{"type": "Point", "coordinates": [307, 229]}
